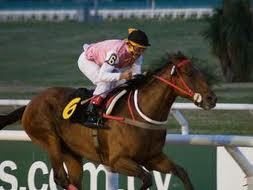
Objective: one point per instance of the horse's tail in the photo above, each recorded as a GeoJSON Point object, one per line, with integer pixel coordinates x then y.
{"type": "Point", "coordinates": [11, 117]}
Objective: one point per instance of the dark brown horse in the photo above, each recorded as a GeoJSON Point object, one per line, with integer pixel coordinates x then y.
{"type": "Point", "coordinates": [69, 143]}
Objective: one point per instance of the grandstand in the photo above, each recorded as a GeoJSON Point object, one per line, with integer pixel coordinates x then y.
{"type": "Point", "coordinates": [105, 4]}
{"type": "Point", "coordinates": [82, 10]}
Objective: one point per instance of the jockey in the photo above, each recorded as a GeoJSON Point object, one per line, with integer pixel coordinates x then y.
{"type": "Point", "coordinates": [110, 63]}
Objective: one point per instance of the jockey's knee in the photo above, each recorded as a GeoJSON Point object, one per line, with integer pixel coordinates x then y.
{"type": "Point", "coordinates": [102, 87]}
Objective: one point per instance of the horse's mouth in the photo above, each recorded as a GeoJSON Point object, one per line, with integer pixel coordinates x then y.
{"type": "Point", "coordinates": [205, 102]}
{"type": "Point", "coordinates": [205, 105]}
{"type": "Point", "coordinates": [209, 106]}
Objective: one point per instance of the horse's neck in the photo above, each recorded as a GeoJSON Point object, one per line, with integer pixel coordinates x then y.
{"type": "Point", "coordinates": [155, 99]}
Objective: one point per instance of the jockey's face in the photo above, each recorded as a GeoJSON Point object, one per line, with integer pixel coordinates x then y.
{"type": "Point", "coordinates": [135, 50]}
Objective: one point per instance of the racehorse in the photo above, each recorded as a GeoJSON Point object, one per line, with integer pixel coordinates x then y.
{"type": "Point", "coordinates": [68, 143]}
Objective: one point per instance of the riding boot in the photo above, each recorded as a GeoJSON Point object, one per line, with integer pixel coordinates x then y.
{"type": "Point", "coordinates": [94, 119]}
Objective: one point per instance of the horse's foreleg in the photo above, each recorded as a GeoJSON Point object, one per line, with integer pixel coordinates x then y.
{"type": "Point", "coordinates": [162, 164]}
{"type": "Point", "coordinates": [129, 167]}
{"type": "Point", "coordinates": [75, 169]}
{"type": "Point", "coordinates": [182, 174]}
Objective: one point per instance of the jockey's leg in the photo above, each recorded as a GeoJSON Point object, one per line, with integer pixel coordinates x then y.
{"type": "Point", "coordinates": [162, 164]}
{"type": "Point", "coordinates": [89, 68]}
{"type": "Point", "coordinates": [94, 117]}
{"type": "Point", "coordinates": [91, 71]}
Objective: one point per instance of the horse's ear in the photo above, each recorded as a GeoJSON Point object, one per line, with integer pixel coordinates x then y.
{"type": "Point", "coordinates": [168, 54]}
{"type": "Point", "coordinates": [180, 54]}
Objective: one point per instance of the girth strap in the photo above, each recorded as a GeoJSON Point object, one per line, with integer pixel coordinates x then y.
{"type": "Point", "coordinates": [143, 125]}
{"type": "Point", "coordinates": [95, 137]}
{"type": "Point", "coordinates": [135, 122]}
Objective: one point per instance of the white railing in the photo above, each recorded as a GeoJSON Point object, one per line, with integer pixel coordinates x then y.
{"type": "Point", "coordinates": [185, 106]}
{"type": "Point", "coordinates": [154, 13]}
{"type": "Point", "coordinates": [205, 140]}
{"type": "Point", "coordinates": [83, 14]}
{"type": "Point", "coordinates": [229, 142]}
{"type": "Point", "coordinates": [175, 109]}
{"type": "Point", "coordinates": [46, 15]}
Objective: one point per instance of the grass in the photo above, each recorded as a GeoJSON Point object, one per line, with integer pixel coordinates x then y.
{"type": "Point", "coordinates": [36, 55]}
{"type": "Point", "coordinates": [216, 122]}
{"type": "Point", "coordinates": [46, 53]}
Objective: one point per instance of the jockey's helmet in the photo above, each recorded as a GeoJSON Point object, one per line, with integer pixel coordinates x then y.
{"type": "Point", "coordinates": [138, 38]}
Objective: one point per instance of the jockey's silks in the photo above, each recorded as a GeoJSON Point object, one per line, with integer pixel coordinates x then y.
{"type": "Point", "coordinates": [101, 51]}
{"type": "Point", "coordinates": [103, 62]}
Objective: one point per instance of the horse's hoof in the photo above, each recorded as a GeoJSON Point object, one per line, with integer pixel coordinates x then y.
{"type": "Point", "coordinates": [71, 187]}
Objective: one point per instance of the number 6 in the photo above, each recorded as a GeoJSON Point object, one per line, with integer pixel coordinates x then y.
{"type": "Point", "coordinates": [112, 59]}
{"type": "Point", "coordinates": [70, 108]}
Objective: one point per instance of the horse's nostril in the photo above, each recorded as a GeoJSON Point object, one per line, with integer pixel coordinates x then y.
{"type": "Point", "coordinates": [211, 99]}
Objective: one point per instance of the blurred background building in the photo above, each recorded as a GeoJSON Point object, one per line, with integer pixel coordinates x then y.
{"type": "Point", "coordinates": [83, 10]}
{"type": "Point", "coordinates": [105, 4]}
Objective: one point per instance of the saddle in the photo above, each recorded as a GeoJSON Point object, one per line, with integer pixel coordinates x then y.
{"type": "Point", "coordinates": [77, 103]}
{"type": "Point", "coordinates": [74, 110]}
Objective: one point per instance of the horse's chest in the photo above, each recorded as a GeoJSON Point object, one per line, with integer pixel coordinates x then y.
{"type": "Point", "coordinates": [146, 145]}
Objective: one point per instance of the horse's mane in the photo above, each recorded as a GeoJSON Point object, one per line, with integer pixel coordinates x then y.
{"type": "Point", "coordinates": [166, 59]}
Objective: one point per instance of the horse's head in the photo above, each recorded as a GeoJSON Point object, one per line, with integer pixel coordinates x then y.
{"type": "Point", "coordinates": [187, 81]}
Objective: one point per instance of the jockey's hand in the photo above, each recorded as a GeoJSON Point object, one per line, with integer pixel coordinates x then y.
{"type": "Point", "coordinates": [137, 80]}
{"type": "Point", "coordinates": [126, 75]}
{"type": "Point", "coordinates": [138, 76]}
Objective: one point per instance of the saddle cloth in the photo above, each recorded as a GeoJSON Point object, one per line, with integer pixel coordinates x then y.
{"type": "Point", "coordinates": [76, 111]}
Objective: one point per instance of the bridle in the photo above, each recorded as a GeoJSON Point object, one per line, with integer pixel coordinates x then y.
{"type": "Point", "coordinates": [186, 89]}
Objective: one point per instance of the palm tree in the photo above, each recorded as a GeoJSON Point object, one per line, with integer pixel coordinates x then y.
{"type": "Point", "coordinates": [230, 34]}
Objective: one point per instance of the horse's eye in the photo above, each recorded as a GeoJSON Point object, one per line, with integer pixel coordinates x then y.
{"type": "Point", "coordinates": [187, 71]}
{"type": "Point", "coordinates": [189, 74]}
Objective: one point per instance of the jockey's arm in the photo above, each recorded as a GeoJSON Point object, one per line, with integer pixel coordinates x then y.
{"type": "Point", "coordinates": [106, 72]}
